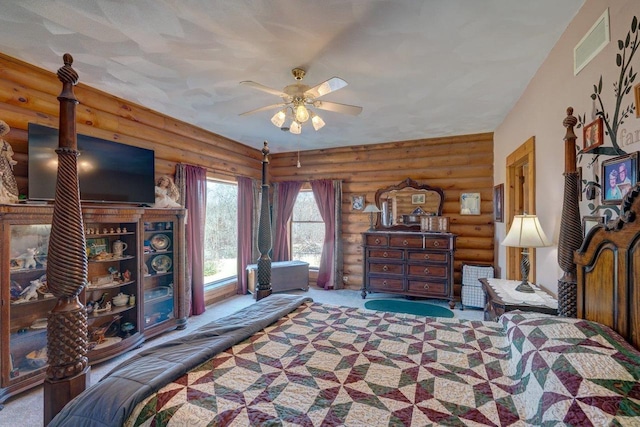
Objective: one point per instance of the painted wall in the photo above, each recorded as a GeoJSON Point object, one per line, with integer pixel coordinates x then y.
{"type": "Point", "coordinates": [540, 112]}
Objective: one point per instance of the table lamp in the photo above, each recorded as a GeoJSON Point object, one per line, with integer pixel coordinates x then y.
{"type": "Point", "coordinates": [525, 233]}
{"type": "Point", "coordinates": [371, 208]}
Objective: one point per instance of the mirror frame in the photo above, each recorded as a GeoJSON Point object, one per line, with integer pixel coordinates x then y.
{"type": "Point", "coordinates": [407, 183]}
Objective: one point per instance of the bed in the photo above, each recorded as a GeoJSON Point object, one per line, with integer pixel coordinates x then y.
{"type": "Point", "coordinates": [287, 360]}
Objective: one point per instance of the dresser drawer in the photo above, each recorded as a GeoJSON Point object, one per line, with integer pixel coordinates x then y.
{"type": "Point", "coordinates": [440, 257]}
{"type": "Point", "coordinates": [434, 242]}
{"type": "Point", "coordinates": [385, 254]}
{"type": "Point", "coordinates": [385, 284]}
{"type": "Point", "coordinates": [405, 241]}
{"type": "Point", "coordinates": [432, 288]}
{"type": "Point", "coordinates": [386, 268]}
{"type": "Point", "coordinates": [427, 270]}
{"type": "Point", "coordinates": [375, 240]}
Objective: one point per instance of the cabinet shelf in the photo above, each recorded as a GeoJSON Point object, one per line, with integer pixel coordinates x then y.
{"type": "Point", "coordinates": [111, 285]}
{"type": "Point", "coordinates": [114, 310]}
{"type": "Point", "coordinates": [111, 259]}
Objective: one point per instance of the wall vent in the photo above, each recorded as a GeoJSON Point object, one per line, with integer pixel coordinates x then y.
{"type": "Point", "coordinates": [592, 43]}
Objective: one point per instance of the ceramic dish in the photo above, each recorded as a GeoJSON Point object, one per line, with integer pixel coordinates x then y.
{"type": "Point", "coordinates": [161, 263]}
{"type": "Point", "coordinates": [39, 324]}
{"type": "Point", "coordinates": [37, 358]}
{"type": "Point", "coordinates": [160, 242]}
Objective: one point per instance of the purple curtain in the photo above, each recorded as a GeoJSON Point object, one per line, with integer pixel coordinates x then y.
{"type": "Point", "coordinates": [287, 193]}
{"type": "Point", "coordinates": [245, 231]}
{"type": "Point", "coordinates": [323, 193]}
{"type": "Point", "coordinates": [195, 183]}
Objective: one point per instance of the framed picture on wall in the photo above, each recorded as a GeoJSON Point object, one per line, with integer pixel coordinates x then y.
{"type": "Point", "coordinates": [470, 204]}
{"type": "Point", "coordinates": [498, 202]}
{"type": "Point", "coordinates": [592, 135]}
{"type": "Point", "coordinates": [618, 176]}
{"type": "Point", "coordinates": [357, 203]}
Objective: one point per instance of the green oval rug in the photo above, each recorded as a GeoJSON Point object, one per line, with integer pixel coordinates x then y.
{"type": "Point", "coordinates": [408, 307]}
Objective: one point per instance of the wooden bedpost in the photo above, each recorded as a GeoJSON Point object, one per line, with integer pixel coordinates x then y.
{"type": "Point", "coordinates": [67, 343]}
{"type": "Point", "coordinates": [263, 288]}
{"type": "Point", "coordinates": [571, 236]}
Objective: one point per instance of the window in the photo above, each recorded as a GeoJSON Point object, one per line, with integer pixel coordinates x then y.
{"type": "Point", "coordinates": [221, 232]}
{"type": "Point", "coordinates": [307, 230]}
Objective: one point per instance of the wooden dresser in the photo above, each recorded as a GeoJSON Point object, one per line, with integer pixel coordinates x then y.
{"type": "Point", "coordinates": [410, 263]}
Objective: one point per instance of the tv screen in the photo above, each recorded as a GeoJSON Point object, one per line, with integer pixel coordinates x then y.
{"type": "Point", "coordinates": [107, 171]}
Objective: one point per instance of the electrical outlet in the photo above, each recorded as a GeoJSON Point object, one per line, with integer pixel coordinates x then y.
{"type": "Point", "coordinates": [345, 279]}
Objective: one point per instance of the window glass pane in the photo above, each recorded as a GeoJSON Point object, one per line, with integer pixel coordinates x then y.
{"type": "Point", "coordinates": [221, 232]}
{"type": "Point", "coordinates": [307, 230]}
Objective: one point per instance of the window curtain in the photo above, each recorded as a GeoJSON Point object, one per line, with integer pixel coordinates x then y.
{"type": "Point", "coordinates": [324, 193]}
{"type": "Point", "coordinates": [193, 182]}
{"type": "Point", "coordinates": [248, 199]}
{"type": "Point", "coordinates": [287, 192]}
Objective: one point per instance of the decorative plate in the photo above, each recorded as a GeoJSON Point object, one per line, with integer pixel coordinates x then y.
{"type": "Point", "coordinates": [160, 242]}
{"type": "Point", "coordinates": [161, 263]}
{"type": "Point", "coordinates": [37, 358]}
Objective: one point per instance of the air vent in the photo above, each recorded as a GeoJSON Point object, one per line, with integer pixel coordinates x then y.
{"type": "Point", "coordinates": [592, 43]}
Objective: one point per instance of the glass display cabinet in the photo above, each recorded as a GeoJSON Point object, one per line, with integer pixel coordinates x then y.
{"type": "Point", "coordinates": [135, 284]}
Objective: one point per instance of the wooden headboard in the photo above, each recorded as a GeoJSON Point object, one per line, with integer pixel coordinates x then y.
{"type": "Point", "coordinates": [608, 269]}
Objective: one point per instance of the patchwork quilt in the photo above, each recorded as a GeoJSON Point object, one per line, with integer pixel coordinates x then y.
{"type": "Point", "coordinates": [322, 365]}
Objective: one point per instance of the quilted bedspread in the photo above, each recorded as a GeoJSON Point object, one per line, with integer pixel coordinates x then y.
{"type": "Point", "coordinates": [332, 366]}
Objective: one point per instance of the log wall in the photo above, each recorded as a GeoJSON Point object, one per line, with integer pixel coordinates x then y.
{"type": "Point", "coordinates": [28, 94]}
{"type": "Point", "coordinates": [460, 164]}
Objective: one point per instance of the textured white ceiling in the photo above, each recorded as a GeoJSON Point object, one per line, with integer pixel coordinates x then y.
{"type": "Point", "coordinates": [419, 69]}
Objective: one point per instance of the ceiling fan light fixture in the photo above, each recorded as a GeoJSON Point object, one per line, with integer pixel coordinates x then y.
{"type": "Point", "coordinates": [279, 118]}
{"type": "Point", "coordinates": [295, 128]}
{"type": "Point", "coordinates": [317, 121]}
{"type": "Point", "coordinates": [301, 113]}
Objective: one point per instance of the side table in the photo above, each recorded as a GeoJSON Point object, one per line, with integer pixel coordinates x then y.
{"type": "Point", "coordinates": [501, 296]}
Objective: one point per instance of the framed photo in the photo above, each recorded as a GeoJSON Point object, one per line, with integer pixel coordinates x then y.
{"type": "Point", "coordinates": [498, 203]}
{"type": "Point", "coordinates": [470, 204]}
{"type": "Point", "coordinates": [588, 222]}
{"type": "Point", "coordinates": [592, 135]}
{"type": "Point", "coordinates": [636, 90]}
{"type": "Point", "coordinates": [418, 199]}
{"type": "Point", "coordinates": [357, 203]}
{"type": "Point", "coordinates": [618, 176]}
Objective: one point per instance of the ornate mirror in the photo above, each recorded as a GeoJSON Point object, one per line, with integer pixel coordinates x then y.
{"type": "Point", "coordinates": [401, 206]}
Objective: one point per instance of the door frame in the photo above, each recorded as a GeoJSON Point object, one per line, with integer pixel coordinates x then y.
{"type": "Point", "coordinates": [521, 167]}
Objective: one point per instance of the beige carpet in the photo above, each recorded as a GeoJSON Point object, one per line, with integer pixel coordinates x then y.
{"type": "Point", "coordinates": [26, 409]}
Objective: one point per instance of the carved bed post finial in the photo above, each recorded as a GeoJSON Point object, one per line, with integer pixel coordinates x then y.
{"type": "Point", "coordinates": [571, 236]}
{"type": "Point", "coordinates": [67, 341]}
{"type": "Point", "coordinates": [263, 289]}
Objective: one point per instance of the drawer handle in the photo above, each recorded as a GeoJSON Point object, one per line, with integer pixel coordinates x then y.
{"type": "Point", "coordinates": [436, 243]}
{"type": "Point", "coordinates": [426, 270]}
{"type": "Point", "coordinates": [384, 283]}
{"type": "Point", "coordinates": [404, 242]}
{"type": "Point", "coordinates": [426, 256]}
{"type": "Point", "coordinates": [377, 241]}
{"type": "Point", "coordinates": [385, 268]}
{"type": "Point", "coordinates": [426, 286]}
{"type": "Point", "coordinates": [385, 254]}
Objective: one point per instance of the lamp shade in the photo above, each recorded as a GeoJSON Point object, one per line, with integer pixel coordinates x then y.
{"type": "Point", "coordinates": [371, 208]}
{"type": "Point", "coordinates": [526, 232]}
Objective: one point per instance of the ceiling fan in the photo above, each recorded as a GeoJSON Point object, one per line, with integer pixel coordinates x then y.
{"type": "Point", "coordinates": [298, 97]}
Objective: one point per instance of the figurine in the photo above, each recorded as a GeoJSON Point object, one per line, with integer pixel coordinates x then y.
{"type": "Point", "coordinates": [8, 186]}
{"type": "Point", "coordinates": [29, 258]}
{"type": "Point", "coordinates": [167, 193]}
{"type": "Point", "coordinates": [30, 292]}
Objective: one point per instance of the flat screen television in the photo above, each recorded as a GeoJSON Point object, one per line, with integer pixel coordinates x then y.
{"type": "Point", "coordinates": [108, 171]}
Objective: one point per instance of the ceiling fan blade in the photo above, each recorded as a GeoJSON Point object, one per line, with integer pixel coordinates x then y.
{"type": "Point", "coordinates": [263, 88]}
{"type": "Point", "coordinates": [337, 108]}
{"type": "Point", "coordinates": [328, 86]}
{"type": "Point", "coordinates": [267, 107]}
